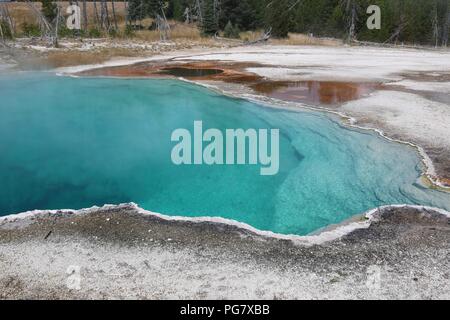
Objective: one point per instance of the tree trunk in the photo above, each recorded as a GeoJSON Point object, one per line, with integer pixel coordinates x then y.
{"type": "Point", "coordinates": [141, 16]}
{"type": "Point", "coordinates": [1, 32]}
{"type": "Point", "coordinates": [351, 33]}
{"type": "Point", "coordinates": [104, 15]}
{"type": "Point", "coordinates": [44, 25]}
{"type": "Point", "coordinates": [9, 20]}
{"type": "Point", "coordinates": [126, 13]}
{"type": "Point", "coordinates": [85, 18]}
{"type": "Point", "coordinates": [2, 19]}
{"type": "Point", "coordinates": [96, 19]}
{"type": "Point", "coordinates": [114, 15]}
{"type": "Point", "coordinates": [199, 11]}
{"type": "Point", "coordinates": [108, 22]}
{"type": "Point", "coordinates": [350, 11]}
{"type": "Point", "coordinates": [445, 31]}
{"type": "Point", "coordinates": [55, 39]}
{"type": "Point", "coordinates": [163, 26]}
{"type": "Point", "coordinates": [436, 26]}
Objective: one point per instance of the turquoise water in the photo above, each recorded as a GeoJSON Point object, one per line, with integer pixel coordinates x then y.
{"type": "Point", "coordinates": [74, 143]}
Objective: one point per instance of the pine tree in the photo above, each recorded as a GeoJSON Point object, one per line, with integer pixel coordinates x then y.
{"type": "Point", "coordinates": [135, 10]}
{"type": "Point", "coordinates": [231, 31]}
{"type": "Point", "coordinates": [241, 13]}
{"type": "Point", "coordinates": [153, 8]}
{"type": "Point", "coordinates": [174, 10]}
{"type": "Point", "coordinates": [49, 10]}
{"type": "Point", "coordinates": [209, 25]}
{"type": "Point", "coordinates": [278, 18]}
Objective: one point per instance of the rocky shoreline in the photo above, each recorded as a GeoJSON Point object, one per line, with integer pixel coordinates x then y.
{"type": "Point", "coordinates": [119, 252]}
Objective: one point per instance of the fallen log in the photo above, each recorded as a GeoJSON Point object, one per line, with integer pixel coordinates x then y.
{"type": "Point", "coordinates": [264, 38]}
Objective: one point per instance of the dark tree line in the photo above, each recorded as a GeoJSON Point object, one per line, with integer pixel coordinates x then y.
{"type": "Point", "coordinates": [402, 21]}
{"type": "Point", "coordinates": [409, 21]}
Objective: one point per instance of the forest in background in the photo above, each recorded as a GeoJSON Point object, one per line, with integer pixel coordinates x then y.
{"type": "Point", "coordinates": [410, 21]}
{"type": "Point", "coordinates": [424, 22]}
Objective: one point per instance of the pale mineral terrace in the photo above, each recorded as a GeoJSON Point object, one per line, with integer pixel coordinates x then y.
{"type": "Point", "coordinates": [120, 252]}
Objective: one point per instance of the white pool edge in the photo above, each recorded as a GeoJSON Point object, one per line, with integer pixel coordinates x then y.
{"type": "Point", "coordinates": [336, 232]}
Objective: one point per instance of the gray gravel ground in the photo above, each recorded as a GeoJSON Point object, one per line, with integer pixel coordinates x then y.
{"type": "Point", "coordinates": [117, 252]}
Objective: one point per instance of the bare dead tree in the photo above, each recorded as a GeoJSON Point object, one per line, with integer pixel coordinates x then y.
{"type": "Point", "coordinates": [114, 14]}
{"type": "Point", "coordinates": [162, 24]}
{"type": "Point", "coordinates": [199, 9]}
{"type": "Point", "coordinates": [163, 27]}
{"type": "Point", "coordinates": [1, 32]}
{"type": "Point", "coordinates": [96, 17]}
{"type": "Point", "coordinates": [2, 20]}
{"type": "Point", "coordinates": [49, 30]}
{"type": "Point", "coordinates": [435, 23]}
{"type": "Point", "coordinates": [187, 15]}
{"type": "Point", "coordinates": [126, 13]}
{"type": "Point", "coordinates": [58, 14]}
{"type": "Point", "coordinates": [104, 15]}
{"type": "Point", "coordinates": [445, 31]}
{"type": "Point", "coordinates": [264, 37]}
{"type": "Point", "coordinates": [350, 8]}
{"type": "Point", "coordinates": [46, 28]}
{"type": "Point", "coordinates": [85, 17]}
{"type": "Point", "coordinates": [8, 19]}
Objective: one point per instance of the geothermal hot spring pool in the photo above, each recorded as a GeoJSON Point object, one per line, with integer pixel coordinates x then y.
{"type": "Point", "coordinates": [79, 142]}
